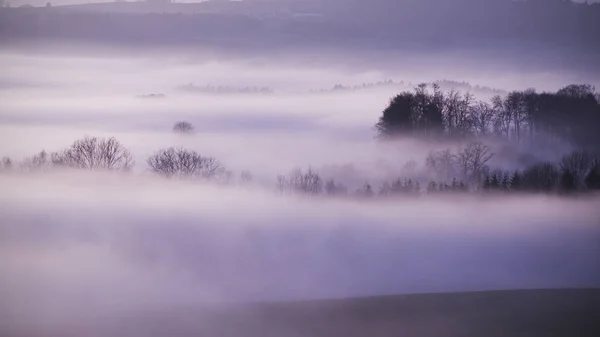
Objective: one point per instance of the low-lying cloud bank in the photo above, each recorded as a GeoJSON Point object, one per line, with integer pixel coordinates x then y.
{"type": "Point", "coordinates": [79, 245]}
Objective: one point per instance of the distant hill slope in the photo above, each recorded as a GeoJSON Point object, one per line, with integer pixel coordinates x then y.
{"type": "Point", "coordinates": [526, 313]}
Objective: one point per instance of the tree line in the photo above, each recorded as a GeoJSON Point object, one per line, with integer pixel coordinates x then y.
{"type": "Point", "coordinates": [463, 172]}
{"type": "Point", "coordinates": [570, 115]}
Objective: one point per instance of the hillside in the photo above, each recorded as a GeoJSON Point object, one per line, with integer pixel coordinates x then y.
{"type": "Point", "coordinates": [495, 313]}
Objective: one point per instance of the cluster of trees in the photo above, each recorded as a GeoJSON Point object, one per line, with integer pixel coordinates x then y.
{"type": "Point", "coordinates": [570, 115]}
{"type": "Point", "coordinates": [578, 171]}
{"type": "Point", "coordinates": [463, 172]}
{"type": "Point", "coordinates": [210, 89]}
{"type": "Point", "coordinates": [108, 154]}
{"type": "Point", "coordinates": [402, 85]}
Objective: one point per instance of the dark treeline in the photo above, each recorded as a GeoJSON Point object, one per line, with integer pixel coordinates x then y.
{"type": "Point", "coordinates": [570, 115]}
{"type": "Point", "coordinates": [577, 172]}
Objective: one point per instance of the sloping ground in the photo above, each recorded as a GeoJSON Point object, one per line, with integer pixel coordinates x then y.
{"type": "Point", "coordinates": [524, 313]}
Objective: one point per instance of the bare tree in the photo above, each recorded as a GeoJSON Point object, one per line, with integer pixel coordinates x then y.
{"type": "Point", "coordinates": [578, 163]}
{"type": "Point", "coordinates": [181, 163]}
{"type": "Point", "coordinates": [333, 188]}
{"type": "Point", "coordinates": [38, 162]}
{"type": "Point", "coordinates": [482, 119]}
{"type": "Point", "coordinates": [442, 164]}
{"type": "Point", "coordinates": [91, 153]}
{"type": "Point", "coordinates": [183, 127]}
{"type": "Point", "coordinates": [299, 182]}
{"type": "Point", "coordinates": [457, 112]}
{"type": "Point", "coordinates": [472, 160]}
{"type": "Point", "coordinates": [6, 164]}
{"type": "Point", "coordinates": [245, 177]}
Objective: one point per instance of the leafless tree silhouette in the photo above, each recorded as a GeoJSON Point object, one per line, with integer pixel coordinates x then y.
{"type": "Point", "coordinates": [472, 160]}
{"type": "Point", "coordinates": [38, 162]}
{"type": "Point", "coordinates": [245, 177]}
{"type": "Point", "coordinates": [579, 163]}
{"type": "Point", "coordinates": [183, 127]}
{"type": "Point", "coordinates": [333, 188]}
{"type": "Point", "coordinates": [181, 163]}
{"type": "Point", "coordinates": [5, 164]}
{"type": "Point", "coordinates": [298, 182]}
{"type": "Point", "coordinates": [442, 164]}
{"type": "Point", "coordinates": [91, 153]}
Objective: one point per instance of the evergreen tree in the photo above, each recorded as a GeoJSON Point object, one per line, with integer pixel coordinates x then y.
{"type": "Point", "coordinates": [505, 182]}
{"type": "Point", "coordinates": [487, 183]}
{"type": "Point", "coordinates": [417, 190]}
{"type": "Point", "coordinates": [515, 181]}
{"type": "Point", "coordinates": [495, 182]}
{"type": "Point", "coordinates": [592, 180]}
{"type": "Point", "coordinates": [432, 187]}
{"type": "Point", "coordinates": [567, 182]}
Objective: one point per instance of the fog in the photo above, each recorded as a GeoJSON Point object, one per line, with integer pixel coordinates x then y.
{"type": "Point", "coordinates": [76, 245]}
{"type": "Point", "coordinates": [87, 246]}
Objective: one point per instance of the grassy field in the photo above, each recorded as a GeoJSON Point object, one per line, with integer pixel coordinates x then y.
{"type": "Point", "coordinates": [527, 313]}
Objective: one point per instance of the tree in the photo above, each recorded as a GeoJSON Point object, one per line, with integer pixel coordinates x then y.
{"type": "Point", "coordinates": [245, 177]}
{"type": "Point", "coordinates": [183, 127]}
{"type": "Point", "coordinates": [515, 181]}
{"type": "Point", "coordinates": [366, 191]}
{"type": "Point", "coordinates": [482, 118]}
{"type": "Point", "coordinates": [578, 163]}
{"type": "Point", "coordinates": [91, 153]}
{"type": "Point", "coordinates": [418, 113]}
{"type": "Point", "coordinates": [181, 163]}
{"type": "Point", "coordinates": [299, 182]}
{"type": "Point", "coordinates": [397, 118]}
{"type": "Point", "coordinates": [473, 159]}
{"type": "Point", "coordinates": [5, 164]}
{"type": "Point", "coordinates": [38, 162]}
{"type": "Point", "coordinates": [432, 187]}
{"type": "Point", "coordinates": [457, 113]}
{"type": "Point", "coordinates": [567, 181]}
{"type": "Point", "coordinates": [541, 177]}
{"type": "Point", "coordinates": [332, 188]}
{"type": "Point", "coordinates": [442, 164]}
{"type": "Point", "coordinates": [592, 180]}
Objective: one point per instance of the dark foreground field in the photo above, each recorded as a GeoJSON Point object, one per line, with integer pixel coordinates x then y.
{"type": "Point", "coordinates": [496, 313]}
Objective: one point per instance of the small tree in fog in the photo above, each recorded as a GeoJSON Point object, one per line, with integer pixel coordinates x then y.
{"type": "Point", "coordinates": [472, 160]}
{"type": "Point", "coordinates": [567, 181]}
{"type": "Point", "coordinates": [592, 180]}
{"type": "Point", "coordinates": [366, 191]}
{"type": "Point", "coordinates": [442, 164]}
{"type": "Point", "coordinates": [245, 177]}
{"type": "Point", "coordinates": [515, 181]}
{"type": "Point", "coordinates": [182, 163]}
{"type": "Point", "coordinates": [332, 188]}
{"type": "Point", "coordinates": [38, 162]}
{"type": "Point", "coordinates": [432, 187]}
{"type": "Point", "coordinates": [6, 164]}
{"type": "Point", "coordinates": [578, 163]}
{"type": "Point", "coordinates": [91, 153]}
{"type": "Point", "coordinates": [183, 127]}
{"type": "Point", "coordinates": [300, 182]}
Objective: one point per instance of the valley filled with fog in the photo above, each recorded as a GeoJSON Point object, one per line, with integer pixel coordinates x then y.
{"type": "Point", "coordinates": [141, 178]}
{"type": "Point", "coordinates": [93, 240]}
